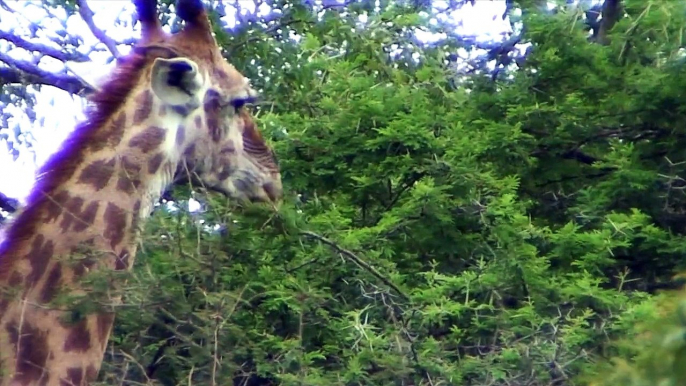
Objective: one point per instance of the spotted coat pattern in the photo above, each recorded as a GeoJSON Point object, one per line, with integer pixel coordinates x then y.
{"type": "Point", "coordinates": [85, 211]}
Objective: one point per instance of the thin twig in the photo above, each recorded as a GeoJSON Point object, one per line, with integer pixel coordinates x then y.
{"type": "Point", "coordinates": [357, 260]}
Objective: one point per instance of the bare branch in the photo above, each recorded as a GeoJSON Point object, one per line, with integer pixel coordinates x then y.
{"type": "Point", "coordinates": [43, 49]}
{"type": "Point", "coordinates": [356, 260]}
{"type": "Point", "coordinates": [87, 15]}
{"type": "Point", "coordinates": [5, 6]}
{"type": "Point", "coordinates": [26, 73]}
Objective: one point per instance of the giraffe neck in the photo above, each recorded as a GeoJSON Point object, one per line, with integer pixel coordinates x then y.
{"type": "Point", "coordinates": [87, 223]}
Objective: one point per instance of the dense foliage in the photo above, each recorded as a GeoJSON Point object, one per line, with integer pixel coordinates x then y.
{"type": "Point", "coordinates": [440, 228]}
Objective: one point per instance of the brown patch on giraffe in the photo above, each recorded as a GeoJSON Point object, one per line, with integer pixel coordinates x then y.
{"type": "Point", "coordinates": [116, 130]}
{"type": "Point", "coordinates": [72, 208]}
{"type": "Point", "coordinates": [198, 122]}
{"type": "Point", "coordinates": [104, 324]}
{"type": "Point", "coordinates": [106, 131]}
{"type": "Point", "coordinates": [75, 218]}
{"type": "Point", "coordinates": [190, 151]}
{"type": "Point", "coordinates": [79, 338]}
{"type": "Point", "coordinates": [149, 140]}
{"type": "Point", "coordinates": [55, 205]}
{"type": "Point", "coordinates": [122, 261]}
{"type": "Point", "coordinates": [144, 102]}
{"type": "Point", "coordinates": [38, 256]}
{"type": "Point", "coordinates": [32, 354]}
{"type": "Point", "coordinates": [92, 372]}
{"type": "Point", "coordinates": [97, 174]}
{"type": "Point", "coordinates": [212, 108]}
{"type": "Point", "coordinates": [87, 217]}
{"type": "Point", "coordinates": [115, 218]}
{"type": "Point", "coordinates": [180, 135]}
{"type": "Point", "coordinates": [214, 127]}
{"type": "Point", "coordinates": [51, 284]}
{"type": "Point", "coordinates": [155, 162]}
{"type": "Point", "coordinates": [129, 176]}
{"type": "Point", "coordinates": [129, 168]}
{"type": "Point", "coordinates": [211, 102]}
{"type": "Point", "coordinates": [74, 377]}
{"type": "Point", "coordinates": [62, 165]}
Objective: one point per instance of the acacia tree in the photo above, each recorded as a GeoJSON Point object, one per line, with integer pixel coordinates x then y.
{"type": "Point", "coordinates": [503, 220]}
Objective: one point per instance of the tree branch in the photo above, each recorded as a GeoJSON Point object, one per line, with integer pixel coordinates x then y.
{"type": "Point", "coordinates": [26, 73]}
{"type": "Point", "coordinates": [87, 15]}
{"type": "Point", "coordinates": [43, 49]}
{"type": "Point", "coordinates": [356, 260]}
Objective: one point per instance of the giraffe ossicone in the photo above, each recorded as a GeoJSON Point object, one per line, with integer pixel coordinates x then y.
{"type": "Point", "coordinates": [172, 110]}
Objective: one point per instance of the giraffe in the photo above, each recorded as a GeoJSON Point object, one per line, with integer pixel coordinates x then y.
{"type": "Point", "coordinates": [172, 108]}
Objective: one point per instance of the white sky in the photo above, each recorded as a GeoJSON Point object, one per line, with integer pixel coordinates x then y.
{"type": "Point", "coordinates": [57, 112]}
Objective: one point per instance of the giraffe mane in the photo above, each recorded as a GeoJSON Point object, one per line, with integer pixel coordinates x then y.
{"type": "Point", "coordinates": [105, 103]}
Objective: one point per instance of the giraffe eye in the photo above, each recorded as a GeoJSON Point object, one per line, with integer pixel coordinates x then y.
{"type": "Point", "coordinates": [238, 103]}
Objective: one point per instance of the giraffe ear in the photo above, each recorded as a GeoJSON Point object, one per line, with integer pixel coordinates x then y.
{"type": "Point", "coordinates": [176, 81]}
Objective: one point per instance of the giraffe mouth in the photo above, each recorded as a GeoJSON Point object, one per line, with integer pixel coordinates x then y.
{"type": "Point", "coordinates": [195, 181]}
{"type": "Point", "coordinates": [243, 194]}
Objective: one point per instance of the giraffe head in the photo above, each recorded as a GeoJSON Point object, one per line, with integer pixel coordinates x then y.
{"type": "Point", "coordinates": [217, 141]}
